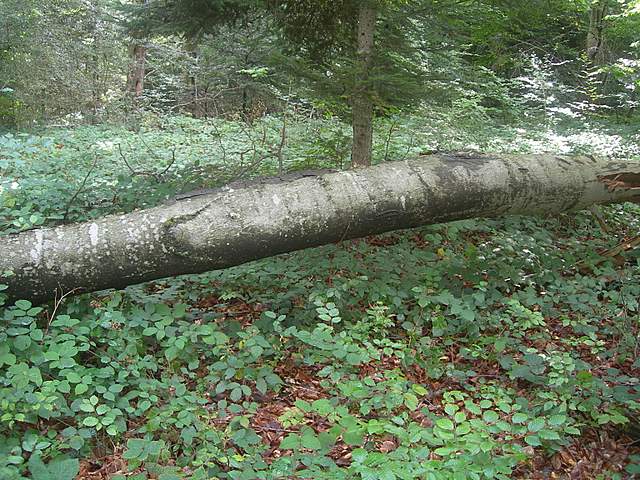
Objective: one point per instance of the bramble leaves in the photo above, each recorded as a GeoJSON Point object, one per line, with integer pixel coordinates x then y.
{"type": "Point", "coordinates": [458, 347]}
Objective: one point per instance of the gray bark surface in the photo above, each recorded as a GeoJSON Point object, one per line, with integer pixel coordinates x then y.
{"type": "Point", "coordinates": [135, 82]}
{"type": "Point", "coordinates": [232, 226]}
{"type": "Point", "coordinates": [595, 34]}
{"type": "Point", "coordinates": [362, 104]}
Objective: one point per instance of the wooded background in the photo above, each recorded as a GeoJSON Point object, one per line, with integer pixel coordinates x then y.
{"type": "Point", "coordinates": [155, 140]}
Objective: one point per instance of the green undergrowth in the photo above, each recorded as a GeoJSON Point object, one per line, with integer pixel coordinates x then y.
{"type": "Point", "coordinates": [63, 175]}
{"type": "Point", "coordinates": [456, 351]}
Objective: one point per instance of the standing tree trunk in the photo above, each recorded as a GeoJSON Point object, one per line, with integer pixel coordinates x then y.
{"type": "Point", "coordinates": [97, 87]}
{"type": "Point", "coordinates": [191, 48]}
{"type": "Point", "coordinates": [596, 50]}
{"type": "Point", "coordinates": [135, 78]}
{"type": "Point", "coordinates": [362, 104]}
{"type": "Point", "coordinates": [225, 227]}
{"type": "Point", "coordinates": [135, 82]}
{"type": "Point", "coordinates": [595, 35]}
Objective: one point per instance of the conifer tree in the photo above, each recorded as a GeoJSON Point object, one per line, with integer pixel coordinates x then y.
{"type": "Point", "coordinates": [366, 54]}
{"type": "Point", "coordinates": [363, 54]}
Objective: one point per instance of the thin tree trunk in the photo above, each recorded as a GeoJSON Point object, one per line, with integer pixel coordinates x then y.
{"type": "Point", "coordinates": [596, 50]}
{"type": "Point", "coordinates": [96, 88]}
{"type": "Point", "coordinates": [362, 103]}
{"type": "Point", "coordinates": [191, 48]}
{"type": "Point", "coordinates": [137, 68]}
{"type": "Point", "coordinates": [595, 35]}
{"type": "Point", "coordinates": [137, 71]}
{"type": "Point", "coordinates": [230, 226]}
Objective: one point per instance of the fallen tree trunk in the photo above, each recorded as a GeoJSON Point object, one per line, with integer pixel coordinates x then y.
{"type": "Point", "coordinates": [232, 226]}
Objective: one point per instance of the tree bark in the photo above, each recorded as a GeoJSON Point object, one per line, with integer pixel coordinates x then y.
{"type": "Point", "coordinates": [193, 69]}
{"type": "Point", "coordinates": [230, 226]}
{"type": "Point", "coordinates": [135, 82]}
{"type": "Point", "coordinates": [595, 34]}
{"type": "Point", "coordinates": [362, 104]}
{"type": "Point", "coordinates": [137, 68]}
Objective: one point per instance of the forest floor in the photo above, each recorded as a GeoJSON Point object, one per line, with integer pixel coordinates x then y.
{"type": "Point", "coordinates": [478, 349]}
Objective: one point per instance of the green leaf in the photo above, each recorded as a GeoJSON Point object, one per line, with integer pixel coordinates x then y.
{"type": "Point", "coordinates": [35, 376]}
{"type": "Point", "coordinates": [147, 332]}
{"type": "Point", "coordinates": [572, 430]}
{"type": "Point", "coordinates": [23, 304]}
{"type": "Point", "coordinates": [90, 421]}
{"type": "Point", "coordinates": [463, 428]}
{"type": "Point", "coordinates": [354, 359]}
{"type": "Point", "coordinates": [444, 451]}
{"type": "Point", "coordinates": [135, 447]}
{"type": "Point", "coordinates": [322, 406]}
{"type": "Point", "coordinates": [519, 417]}
{"type": "Point", "coordinates": [38, 469]}
{"type": "Point", "coordinates": [451, 409]}
{"type": "Point", "coordinates": [102, 409]}
{"type": "Point", "coordinates": [73, 377]}
{"type": "Point", "coordinates": [490, 416]}
{"type": "Point", "coordinates": [171, 353]}
{"type": "Point", "coordinates": [472, 407]}
{"type": "Point", "coordinates": [236, 394]}
{"type": "Point", "coordinates": [410, 401]}
{"type": "Point", "coordinates": [170, 476]}
{"type": "Point", "coordinates": [32, 312]}
{"type": "Point", "coordinates": [533, 440]}
{"type": "Point", "coordinates": [548, 435]}
{"type": "Point", "coordinates": [81, 388]}
{"type": "Point", "coordinates": [36, 335]}
{"type": "Point", "coordinates": [459, 417]}
{"type": "Point", "coordinates": [76, 442]}
{"type": "Point", "coordinates": [22, 342]}
{"type": "Point", "coordinates": [557, 420]}
{"type": "Point", "coordinates": [64, 469]}
{"type": "Point", "coordinates": [117, 388]}
{"type": "Point", "coordinates": [445, 424]}
{"type": "Point", "coordinates": [633, 468]}
{"type": "Point", "coordinates": [220, 338]}
{"type": "Point", "coordinates": [57, 469]}
{"type": "Point", "coordinates": [536, 424]}
{"type": "Point", "coordinates": [179, 310]}
{"type": "Point", "coordinates": [500, 344]}
{"type": "Point", "coordinates": [419, 389]}
{"type": "Point", "coordinates": [353, 437]}
{"type": "Point", "coordinates": [6, 357]}
{"type": "Point", "coordinates": [310, 440]}
{"type": "Point", "coordinates": [290, 442]}
{"type": "Point", "coordinates": [188, 434]}
{"type": "Point", "coordinates": [64, 387]}
{"type": "Point", "coordinates": [256, 350]}
{"type": "Point", "coordinates": [261, 385]}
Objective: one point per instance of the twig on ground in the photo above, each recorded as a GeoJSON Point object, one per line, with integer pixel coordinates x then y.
{"type": "Point", "coordinates": [56, 304]}
{"type": "Point", "coordinates": [158, 177]}
{"type": "Point", "coordinates": [80, 190]}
